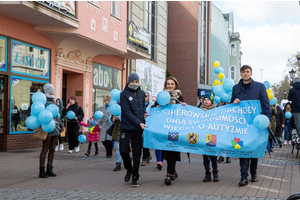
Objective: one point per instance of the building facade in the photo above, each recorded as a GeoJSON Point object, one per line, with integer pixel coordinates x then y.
{"type": "Point", "coordinates": [188, 55]}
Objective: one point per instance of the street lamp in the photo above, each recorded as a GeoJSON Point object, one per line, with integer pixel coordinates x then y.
{"type": "Point", "coordinates": [292, 75]}
{"type": "Point", "coordinates": [284, 92]}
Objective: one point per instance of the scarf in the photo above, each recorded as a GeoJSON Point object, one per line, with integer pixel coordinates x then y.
{"type": "Point", "coordinates": [175, 94]}
{"type": "Point", "coordinates": [50, 96]}
{"type": "Point", "coordinates": [208, 107]}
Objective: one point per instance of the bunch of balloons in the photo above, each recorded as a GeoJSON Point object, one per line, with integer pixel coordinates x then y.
{"type": "Point", "coordinates": [222, 87]}
{"type": "Point", "coordinates": [271, 97]}
{"type": "Point", "coordinates": [41, 115]}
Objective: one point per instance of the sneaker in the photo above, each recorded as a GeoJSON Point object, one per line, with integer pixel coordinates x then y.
{"type": "Point", "coordinates": [70, 151]}
{"type": "Point", "coordinates": [96, 153]}
{"type": "Point", "coordinates": [285, 142]}
{"type": "Point", "coordinates": [77, 149]}
{"type": "Point", "coordinates": [144, 162]}
{"type": "Point", "coordinates": [159, 166]}
{"type": "Point", "coordinates": [61, 147]}
{"type": "Point", "coordinates": [56, 148]}
{"type": "Point", "coordinates": [290, 142]}
{"type": "Point", "coordinates": [134, 182]}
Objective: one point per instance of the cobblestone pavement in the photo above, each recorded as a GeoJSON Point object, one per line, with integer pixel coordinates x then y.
{"type": "Point", "coordinates": [81, 177]}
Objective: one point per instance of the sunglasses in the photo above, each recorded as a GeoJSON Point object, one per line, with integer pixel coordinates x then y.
{"type": "Point", "coordinates": [146, 96]}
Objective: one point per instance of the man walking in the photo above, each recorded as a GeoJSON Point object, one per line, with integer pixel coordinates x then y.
{"type": "Point", "coordinates": [294, 96]}
{"type": "Point", "coordinates": [248, 89]}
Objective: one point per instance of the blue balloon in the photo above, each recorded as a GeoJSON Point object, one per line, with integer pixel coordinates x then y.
{"type": "Point", "coordinates": [32, 122]}
{"type": "Point", "coordinates": [267, 84]}
{"type": "Point", "coordinates": [36, 108]}
{"type": "Point", "coordinates": [82, 138]}
{"type": "Point", "coordinates": [261, 122]}
{"type": "Point", "coordinates": [49, 127]}
{"type": "Point", "coordinates": [39, 97]}
{"type": "Point", "coordinates": [212, 89]}
{"type": "Point", "coordinates": [53, 108]}
{"type": "Point", "coordinates": [45, 117]}
{"type": "Point", "coordinates": [109, 119]}
{"type": "Point", "coordinates": [225, 97]}
{"type": "Point", "coordinates": [58, 115]}
{"type": "Point", "coordinates": [115, 94]}
{"type": "Point", "coordinates": [228, 84]}
{"type": "Point", "coordinates": [98, 114]}
{"type": "Point", "coordinates": [70, 114]}
{"type": "Point", "coordinates": [218, 70]}
{"type": "Point", "coordinates": [217, 99]}
{"type": "Point", "coordinates": [163, 98]}
{"type": "Point", "coordinates": [112, 102]}
{"type": "Point", "coordinates": [218, 89]}
{"type": "Point", "coordinates": [273, 101]}
{"type": "Point", "coordinates": [115, 109]}
{"type": "Point", "coordinates": [288, 114]}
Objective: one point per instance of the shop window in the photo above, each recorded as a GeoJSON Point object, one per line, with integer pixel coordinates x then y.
{"type": "Point", "coordinates": [30, 60]}
{"type": "Point", "coordinates": [116, 9]}
{"type": "Point", "coordinates": [3, 53]}
{"type": "Point", "coordinates": [22, 90]}
{"type": "Point", "coordinates": [98, 101]}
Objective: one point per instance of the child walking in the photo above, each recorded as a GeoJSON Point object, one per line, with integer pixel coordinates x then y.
{"type": "Point", "coordinates": [207, 105]}
{"type": "Point", "coordinates": [93, 136]}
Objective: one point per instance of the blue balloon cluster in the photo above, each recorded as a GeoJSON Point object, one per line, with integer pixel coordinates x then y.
{"type": "Point", "coordinates": [81, 138]}
{"type": "Point", "coordinates": [288, 114]}
{"type": "Point", "coordinates": [223, 91]}
{"type": "Point", "coordinates": [163, 98]}
{"type": "Point", "coordinates": [261, 122]}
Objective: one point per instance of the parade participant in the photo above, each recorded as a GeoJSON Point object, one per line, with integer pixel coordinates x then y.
{"type": "Point", "coordinates": [207, 105]}
{"type": "Point", "coordinates": [279, 124]}
{"type": "Point", "coordinates": [116, 134]}
{"type": "Point", "coordinates": [289, 125]}
{"type": "Point", "coordinates": [133, 116]}
{"type": "Point", "coordinates": [294, 97]}
{"type": "Point", "coordinates": [105, 124]}
{"type": "Point", "coordinates": [172, 86]}
{"type": "Point", "coordinates": [248, 89]}
{"type": "Point", "coordinates": [93, 136]}
{"type": "Point", "coordinates": [73, 125]}
{"type": "Point", "coordinates": [273, 127]}
{"type": "Point", "coordinates": [59, 104]}
{"type": "Point", "coordinates": [50, 142]}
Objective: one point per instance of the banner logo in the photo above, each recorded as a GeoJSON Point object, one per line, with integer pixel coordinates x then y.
{"type": "Point", "coordinates": [237, 143]}
{"type": "Point", "coordinates": [173, 136]}
{"type": "Point", "coordinates": [211, 140]}
{"type": "Point", "coordinates": [193, 138]}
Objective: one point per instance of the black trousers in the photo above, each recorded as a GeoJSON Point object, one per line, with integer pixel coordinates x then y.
{"type": "Point", "coordinates": [59, 140]}
{"type": "Point", "coordinates": [108, 147]}
{"type": "Point", "coordinates": [171, 166]}
{"type": "Point", "coordinates": [73, 129]}
{"type": "Point", "coordinates": [244, 166]}
{"type": "Point", "coordinates": [146, 153]}
{"type": "Point", "coordinates": [136, 145]}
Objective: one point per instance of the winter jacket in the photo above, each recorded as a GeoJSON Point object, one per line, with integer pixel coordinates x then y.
{"type": "Point", "coordinates": [273, 122]}
{"type": "Point", "coordinates": [294, 96]}
{"type": "Point", "coordinates": [61, 108]}
{"type": "Point", "coordinates": [291, 120]}
{"type": "Point", "coordinates": [257, 91]}
{"type": "Point", "coordinates": [76, 109]}
{"type": "Point", "coordinates": [132, 109]}
{"type": "Point", "coordinates": [93, 131]}
{"type": "Point", "coordinates": [279, 121]}
{"type": "Point", "coordinates": [105, 124]}
{"type": "Point", "coordinates": [58, 124]}
{"type": "Point", "coordinates": [117, 130]}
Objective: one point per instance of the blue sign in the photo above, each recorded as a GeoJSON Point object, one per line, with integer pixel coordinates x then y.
{"type": "Point", "coordinates": [223, 131]}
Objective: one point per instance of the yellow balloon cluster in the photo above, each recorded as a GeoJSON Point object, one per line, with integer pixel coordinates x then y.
{"type": "Point", "coordinates": [270, 93]}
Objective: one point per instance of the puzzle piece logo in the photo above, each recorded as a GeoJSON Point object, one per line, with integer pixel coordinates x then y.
{"type": "Point", "coordinates": [237, 143]}
{"type": "Point", "coordinates": [211, 140]}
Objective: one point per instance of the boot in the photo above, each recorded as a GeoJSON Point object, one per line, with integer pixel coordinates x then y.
{"type": "Point", "coordinates": [207, 177]}
{"type": "Point", "coordinates": [215, 176]}
{"type": "Point", "coordinates": [175, 175]}
{"type": "Point", "coordinates": [88, 153]}
{"type": "Point", "coordinates": [228, 160]}
{"type": "Point", "coordinates": [96, 153]}
{"type": "Point", "coordinates": [168, 179]}
{"type": "Point", "coordinates": [144, 162]}
{"type": "Point", "coordinates": [221, 159]}
{"type": "Point", "coordinates": [118, 166]}
{"type": "Point", "coordinates": [148, 159]}
{"type": "Point", "coordinates": [43, 173]}
{"type": "Point", "coordinates": [49, 171]}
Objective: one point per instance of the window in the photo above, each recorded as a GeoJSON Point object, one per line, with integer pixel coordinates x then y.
{"type": "Point", "coordinates": [116, 9]}
{"type": "Point", "coordinates": [150, 26]}
{"type": "Point", "coordinates": [3, 53]}
{"type": "Point", "coordinates": [98, 101]}
{"type": "Point", "coordinates": [232, 50]}
{"type": "Point", "coordinates": [96, 3]}
{"type": "Point", "coordinates": [203, 41]}
{"type": "Point", "coordinates": [232, 72]}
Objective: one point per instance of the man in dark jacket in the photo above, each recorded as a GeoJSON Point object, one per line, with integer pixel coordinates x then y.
{"type": "Point", "coordinates": [248, 89]}
{"type": "Point", "coordinates": [294, 96]}
{"type": "Point", "coordinates": [132, 125]}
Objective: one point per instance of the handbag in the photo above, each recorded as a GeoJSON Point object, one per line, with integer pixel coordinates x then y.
{"type": "Point", "coordinates": [40, 134]}
{"type": "Point", "coordinates": [110, 130]}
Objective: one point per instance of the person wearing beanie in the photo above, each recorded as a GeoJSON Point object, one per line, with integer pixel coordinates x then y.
{"type": "Point", "coordinates": [133, 114]}
{"type": "Point", "coordinates": [50, 142]}
{"type": "Point", "coordinates": [294, 96]}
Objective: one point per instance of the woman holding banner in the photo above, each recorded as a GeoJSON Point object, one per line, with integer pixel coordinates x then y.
{"type": "Point", "coordinates": [172, 86]}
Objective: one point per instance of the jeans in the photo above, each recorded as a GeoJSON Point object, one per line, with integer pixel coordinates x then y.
{"type": "Point", "coordinates": [118, 155]}
{"type": "Point", "coordinates": [206, 162]}
{"type": "Point", "coordinates": [158, 155]}
{"type": "Point", "coordinates": [297, 122]}
{"type": "Point", "coordinates": [288, 132]}
{"type": "Point", "coordinates": [244, 165]}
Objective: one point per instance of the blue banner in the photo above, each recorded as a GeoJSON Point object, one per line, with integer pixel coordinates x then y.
{"type": "Point", "coordinates": [223, 131]}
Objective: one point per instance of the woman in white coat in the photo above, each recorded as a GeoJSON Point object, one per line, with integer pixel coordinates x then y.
{"type": "Point", "coordinates": [105, 124]}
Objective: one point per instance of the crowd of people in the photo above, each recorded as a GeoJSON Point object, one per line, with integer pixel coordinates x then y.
{"type": "Point", "coordinates": [126, 135]}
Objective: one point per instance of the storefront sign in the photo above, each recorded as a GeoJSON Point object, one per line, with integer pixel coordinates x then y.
{"type": "Point", "coordinates": [102, 76]}
{"type": "Point", "coordinates": [3, 54]}
{"type": "Point", "coordinates": [138, 37]}
{"type": "Point", "coordinates": [67, 7]}
{"type": "Point", "coordinates": [28, 59]}
{"type": "Point", "coordinates": [79, 93]}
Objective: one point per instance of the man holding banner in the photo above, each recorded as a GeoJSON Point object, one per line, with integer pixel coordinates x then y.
{"type": "Point", "coordinates": [248, 89]}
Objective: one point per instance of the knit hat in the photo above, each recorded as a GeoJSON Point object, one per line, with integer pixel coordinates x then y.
{"type": "Point", "coordinates": [132, 77]}
{"type": "Point", "coordinates": [297, 79]}
{"type": "Point", "coordinates": [210, 96]}
{"type": "Point", "coordinates": [49, 89]}
{"type": "Point", "coordinates": [90, 122]}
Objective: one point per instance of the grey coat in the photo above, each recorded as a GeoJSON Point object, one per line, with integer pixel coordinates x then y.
{"type": "Point", "coordinates": [58, 123]}
{"type": "Point", "coordinates": [105, 124]}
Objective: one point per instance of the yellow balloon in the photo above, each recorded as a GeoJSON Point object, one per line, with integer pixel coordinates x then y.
{"type": "Point", "coordinates": [216, 64]}
{"type": "Point", "coordinates": [217, 82]}
{"type": "Point", "coordinates": [270, 95]}
{"type": "Point", "coordinates": [269, 90]}
{"type": "Point", "coordinates": [221, 75]}
{"type": "Point", "coordinates": [222, 82]}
